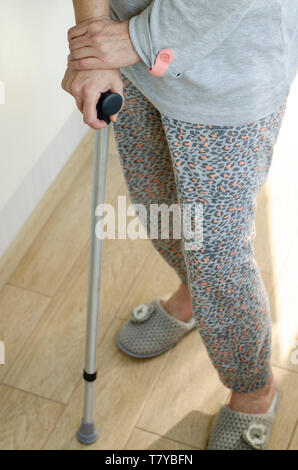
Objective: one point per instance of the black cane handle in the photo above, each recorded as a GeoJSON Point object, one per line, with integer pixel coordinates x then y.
{"type": "Point", "coordinates": [108, 104]}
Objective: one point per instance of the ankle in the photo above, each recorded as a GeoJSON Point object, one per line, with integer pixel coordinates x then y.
{"type": "Point", "coordinates": [179, 305]}
{"type": "Point", "coordinates": [258, 401]}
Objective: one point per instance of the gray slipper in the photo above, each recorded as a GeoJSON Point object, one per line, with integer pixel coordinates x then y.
{"type": "Point", "coordinates": [151, 331]}
{"type": "Point", "coordinates": [233, 430]}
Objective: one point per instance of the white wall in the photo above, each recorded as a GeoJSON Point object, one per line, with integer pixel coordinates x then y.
{"type": "Point", "coordinates": [33, 55]}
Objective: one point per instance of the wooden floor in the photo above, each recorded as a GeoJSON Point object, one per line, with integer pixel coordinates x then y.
{"type": "Point", "coordinates": [163, 403]}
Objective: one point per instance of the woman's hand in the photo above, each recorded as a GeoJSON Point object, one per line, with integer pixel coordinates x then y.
{"type": "Point", "coordinates": [87, 86]}
{"type": "Point", "coordinates": [101, 43]}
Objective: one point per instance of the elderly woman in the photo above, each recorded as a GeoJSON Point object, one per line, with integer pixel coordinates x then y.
{"type": "Point", "coordinates": [205, 84]}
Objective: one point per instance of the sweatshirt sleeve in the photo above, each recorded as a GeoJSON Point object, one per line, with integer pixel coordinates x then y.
{"type": "Point", "coordinates": [191, 28]}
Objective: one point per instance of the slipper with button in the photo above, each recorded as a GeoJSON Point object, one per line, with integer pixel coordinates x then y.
{"type": "Point", "coordinates": [234, 430]}
{"type": "Point", "coordinates": [151, 331]}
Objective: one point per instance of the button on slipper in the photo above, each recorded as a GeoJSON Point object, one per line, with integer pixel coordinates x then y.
{"type": "Point", "coordinates": [151, 331]}
{"type": "Point", "coordinates": [234, 430]}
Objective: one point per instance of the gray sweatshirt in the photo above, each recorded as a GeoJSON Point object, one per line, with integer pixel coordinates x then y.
{"type": "Point", "coordinates": [234, 60]}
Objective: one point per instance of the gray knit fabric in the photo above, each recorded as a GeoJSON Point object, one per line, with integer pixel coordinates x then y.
{"type": "Point", "coordinates": [233, 430]}
{"type": "Point", "coordinates": [155, 334]}
{"type": "Point", "coordinates": [234, 60]}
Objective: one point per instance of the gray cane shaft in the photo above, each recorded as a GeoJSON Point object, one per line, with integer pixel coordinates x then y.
{"type": "Point", "coordinates": [98, 195]}
{"type": "Point", "coordinates": [88, 402]}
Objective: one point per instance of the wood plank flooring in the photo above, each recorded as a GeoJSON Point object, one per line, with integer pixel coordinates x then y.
{"type": "Point", "coordinates": [167, 402]}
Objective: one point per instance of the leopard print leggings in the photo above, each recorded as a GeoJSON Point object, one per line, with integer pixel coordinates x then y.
{"type": "Point", "coordinates": [165, 160]}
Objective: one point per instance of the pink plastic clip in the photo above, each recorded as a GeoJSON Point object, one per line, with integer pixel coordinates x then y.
{"type": "Point", "coordinates": [163, 60]}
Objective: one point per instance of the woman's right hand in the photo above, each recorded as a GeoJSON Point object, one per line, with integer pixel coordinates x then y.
{"type": "Point", "coordinates": [86, 87]}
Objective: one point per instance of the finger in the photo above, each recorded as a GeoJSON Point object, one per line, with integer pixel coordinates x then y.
{"type": "Point", "coordinates": [64, 80]}
{"type": "Point", "coordinates": [83, 53]}
{"type": "Point", "coordinates": [77, 43]}
{"type": "Point", "coordinates": [90, 63]}
{"type": "Point", "coordinates": [91, 98]}
{"type": "Point", "coordinates": [117, 88]}
{"type": "Point", "coordinates": [82, 26]}
{"type": "Point", "coordinates": [68, 81]}
{"type": "Point", "coordinates": [79, 101]}
{"type": "Point", "coordinates": [76, 91]}
{"type": "Point", "coordinates": [77, 31]}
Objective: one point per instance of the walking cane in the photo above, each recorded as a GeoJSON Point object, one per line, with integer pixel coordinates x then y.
{"type": "Point", "coordinates": [108, 104]}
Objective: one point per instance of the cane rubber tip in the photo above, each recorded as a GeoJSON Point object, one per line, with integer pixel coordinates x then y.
{"type": "Point", "coordinates": [87, 434]}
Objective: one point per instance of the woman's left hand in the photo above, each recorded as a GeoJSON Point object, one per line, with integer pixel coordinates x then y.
{"type": "Point", "coordinates": [101, 43]}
